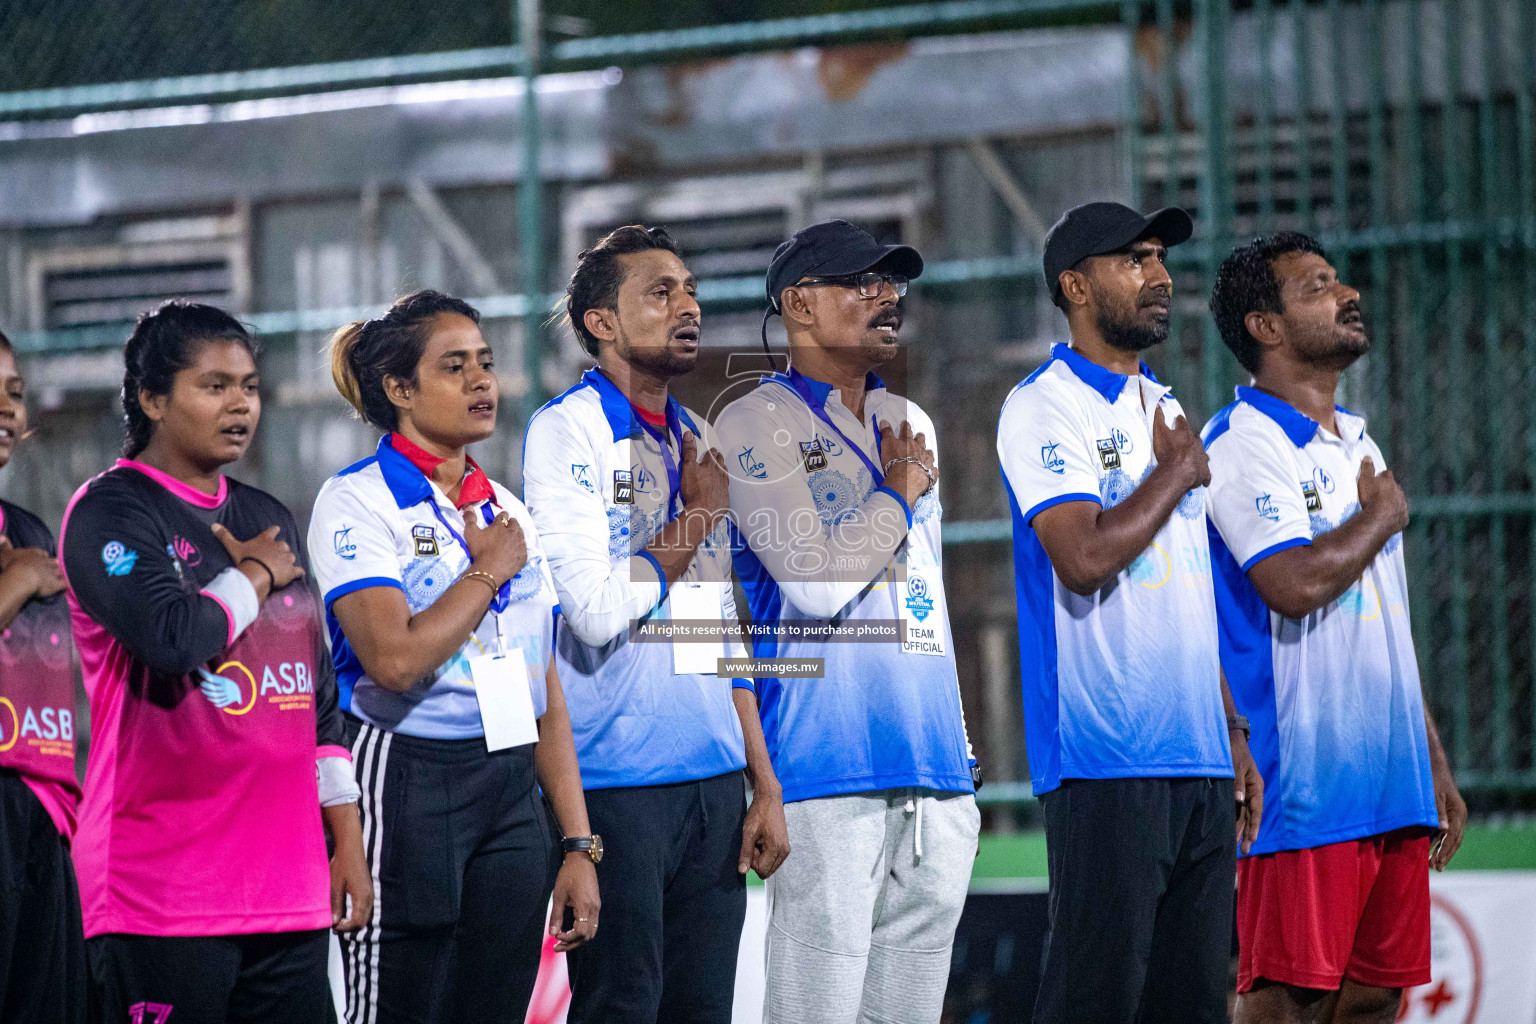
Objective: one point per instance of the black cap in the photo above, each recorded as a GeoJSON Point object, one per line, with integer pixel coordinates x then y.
{"type": "Point", "coordinates": [834, 248]}
{"type": "Point", "coordinates": [1094, 229]}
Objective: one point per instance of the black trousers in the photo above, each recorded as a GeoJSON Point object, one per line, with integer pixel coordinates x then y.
{"type": "Point", "coordinates": [239, 979]}
{"type": "Point", "coordinates": [42, 950]}
{"type": "Point", "coordinates": [464, 860]}
{"type": "Point", "coordinates": [1142, 874]}
{"type": "Point", "coordinates": [673, 905]}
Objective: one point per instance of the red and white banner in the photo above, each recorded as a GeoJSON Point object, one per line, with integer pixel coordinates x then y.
{"type": "Point", "coordinates": [1483, 937]}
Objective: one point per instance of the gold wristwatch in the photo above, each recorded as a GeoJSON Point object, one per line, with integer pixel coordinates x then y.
{"type": "Point", "coordinates": [591, 845]}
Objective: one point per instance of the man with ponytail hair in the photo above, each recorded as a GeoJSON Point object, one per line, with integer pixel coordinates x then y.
{"type": "Point", "coordinates": [630, 496]}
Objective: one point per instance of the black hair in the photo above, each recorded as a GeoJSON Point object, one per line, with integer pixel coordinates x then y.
{"type": "Point", "coordinates": [5, 343]}
{"type": "Point", "coordinates": [364, 352]}
{"type": "Point", "coordinates": [595, 282]}
{"type": "Point", "coordinates": [164, 342]}
{"type": "Point", "coordinates": [1246, 283]}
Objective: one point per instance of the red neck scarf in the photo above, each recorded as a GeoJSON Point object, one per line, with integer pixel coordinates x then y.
{"type": "Point", "coordinates": [655, 419]}
{"type": "Point", "coordinates": [476, 485]}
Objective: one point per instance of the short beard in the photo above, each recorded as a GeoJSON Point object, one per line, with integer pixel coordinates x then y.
{"type": "Point", "coordinates": [1128, 336]}
{"type": "Point", "coordinates": [661, 362]}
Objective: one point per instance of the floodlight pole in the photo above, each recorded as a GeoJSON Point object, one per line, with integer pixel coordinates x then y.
{"type": "Point", "coordinates": [530, 207]}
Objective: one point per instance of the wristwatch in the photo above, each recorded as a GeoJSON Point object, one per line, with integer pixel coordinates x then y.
{"type": "Point", "coordinates": [1238, 723]}
{"type": "Point", "coordinates": [592, 846]}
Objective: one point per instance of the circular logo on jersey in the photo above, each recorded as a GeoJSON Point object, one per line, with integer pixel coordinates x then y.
{"type": "Point", "coordinates": [1122, 442]}
{"type": "Point", "coordinates": [1152, 567]}
{"type": "Point", "coordinates": [1362, 599]}
{"type": "Point", "coordinates": [8, 736]}
{"type": "Point", "coordinates": [224, 690]}
{"type": "Point", "coordinates": [1456, 988]}
{"type": "Point", "coordinates": [1323, 480]}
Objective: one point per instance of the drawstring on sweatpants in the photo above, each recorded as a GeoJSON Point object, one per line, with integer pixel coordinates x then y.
{"type": "Point", "coordinates": [915, 808]}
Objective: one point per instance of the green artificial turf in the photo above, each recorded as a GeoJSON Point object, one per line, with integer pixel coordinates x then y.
{"type": "Point", "coordinates": [1483, 848]}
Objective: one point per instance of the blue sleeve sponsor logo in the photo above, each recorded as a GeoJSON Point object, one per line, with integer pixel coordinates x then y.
{"type": "Point", "coordinates": [341, 540]}
{"type": "Point", "coordinates": [580, 475]}
{"type": "Point", "coordinates": [751, 464]}
{"type": "Point", "coordinates": [118, 558]}
{"type": "Point", "coordinates": [1050, 460]}
{"type": "Point", "coordinates": [1265, 503]}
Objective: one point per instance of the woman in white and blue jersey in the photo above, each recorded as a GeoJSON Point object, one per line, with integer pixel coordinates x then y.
{"type": "Point", "coordinates": [441, 616]}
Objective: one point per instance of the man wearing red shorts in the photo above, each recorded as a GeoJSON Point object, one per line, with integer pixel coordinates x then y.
{"type": "Point", "coordinates": [1312, 597]}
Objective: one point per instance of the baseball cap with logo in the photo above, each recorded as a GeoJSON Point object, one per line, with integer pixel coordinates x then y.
{"type": "Point", "coordinates": [1095, 229]}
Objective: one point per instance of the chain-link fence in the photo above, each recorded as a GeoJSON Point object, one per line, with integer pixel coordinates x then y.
{"type": "Point", "coordinates": [1401, 132]}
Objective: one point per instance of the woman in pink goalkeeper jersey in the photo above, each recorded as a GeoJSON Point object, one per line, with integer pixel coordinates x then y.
{"type": "Point", "coordinates": [42, 952]}
{"type": "Point", "coordinates": [216, 740]}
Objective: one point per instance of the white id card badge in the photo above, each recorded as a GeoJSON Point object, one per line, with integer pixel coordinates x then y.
{"type": "Point", "coordinates": [696, 601]}
{"type": "Point", "coordinates": [920, 613]}
{"type": "Point", "coordinates": [506, 704]}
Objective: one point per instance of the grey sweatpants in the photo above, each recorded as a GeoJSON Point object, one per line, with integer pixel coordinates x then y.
{"type": "Point", "coordinates": [862, 915]}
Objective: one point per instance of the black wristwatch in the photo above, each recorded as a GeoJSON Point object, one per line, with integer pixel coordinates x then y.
{"type": "Point", "coordinates": [592, 846]}
{"type": "Point", "coordinates": [1239, 723]}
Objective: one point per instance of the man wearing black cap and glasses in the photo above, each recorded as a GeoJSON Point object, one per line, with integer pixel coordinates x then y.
{"type": "Point", "coordinates": [832, 492]}
{"type": "Point", "coordinates": [1132, 736]}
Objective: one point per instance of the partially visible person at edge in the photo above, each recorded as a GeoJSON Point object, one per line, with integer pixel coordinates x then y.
{"type": "Point", "coordinates": [42, 951]}
{"type": "Point", "coordinates": [874, 760]}
{"type": "Point", "coordinates": [630, 494]}
{"type": "Point", "coordinates": [1312, 593]}
{"type": "Point", "coordinates": [1132, 735]}
{"type": "Point", "coordinates": [441, 615]}
{"type": "Point", "coordinates": [201, 850]}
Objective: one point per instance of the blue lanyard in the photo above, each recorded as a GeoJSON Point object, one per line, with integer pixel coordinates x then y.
{"type": "Point", "coordinates": [674, 473]}
{"type": "Point", "coordinates": [504, 595]}
{"type": "Point", "coordinates": [804, 391]}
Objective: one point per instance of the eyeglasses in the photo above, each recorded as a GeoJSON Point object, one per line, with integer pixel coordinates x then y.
{"type": "Point", "coordinates": [869, 283]}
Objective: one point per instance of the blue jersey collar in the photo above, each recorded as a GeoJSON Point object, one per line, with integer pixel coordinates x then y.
{"type": "Point", "coordinates": [1106, 382]}
{"type": "Point", "coordinates": [819, 390]}
{"type": "Point", "coordinates": [1297, 425]}
{"type": "Point", "coordinates": [621, 417]}
{"type": "Point", "coordinates": [408, 484]}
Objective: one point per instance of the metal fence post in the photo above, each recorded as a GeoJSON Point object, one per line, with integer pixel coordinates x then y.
{"type": "Point", "coordinates": [530, 208]}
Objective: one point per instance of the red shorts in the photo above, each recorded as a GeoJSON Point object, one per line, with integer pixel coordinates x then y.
{"type": "Point", "coordinates": [1357, 909]}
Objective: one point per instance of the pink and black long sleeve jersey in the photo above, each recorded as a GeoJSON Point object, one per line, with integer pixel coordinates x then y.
{"type": "Point", "coordinates": [37, 687]}
{"type": "Point", "coordinates": [201, 813]}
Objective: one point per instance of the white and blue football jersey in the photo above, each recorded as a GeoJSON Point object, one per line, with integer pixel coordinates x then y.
{"type": "Point", "coordinates": [1123, 683]}
{"type": "Point", "coordinates": [1333, 699]}
{"type": "Point", "coordinates": [601, 484]}
{"type": "Point", "coordinates": [382, 522]}
{"type": "Point", "coordinates": [819, 541]}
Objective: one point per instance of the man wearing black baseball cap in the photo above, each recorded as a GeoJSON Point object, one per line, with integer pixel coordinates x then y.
{"type": "Point", "coordinates": [832, 489]}
{"type": "Point", "coordinates": [1132, 736]}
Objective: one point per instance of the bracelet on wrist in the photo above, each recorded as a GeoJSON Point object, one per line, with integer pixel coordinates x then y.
{"type": "Point", "coordinates": [271, 579]}
{"type": "Point", "coordinates": [916, 462]}
{"type": "Point", "coordinates": [483, 577]}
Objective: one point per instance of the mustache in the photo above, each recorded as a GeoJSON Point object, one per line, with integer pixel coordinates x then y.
{"type": "Point", "coordinates": [889, 316]}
